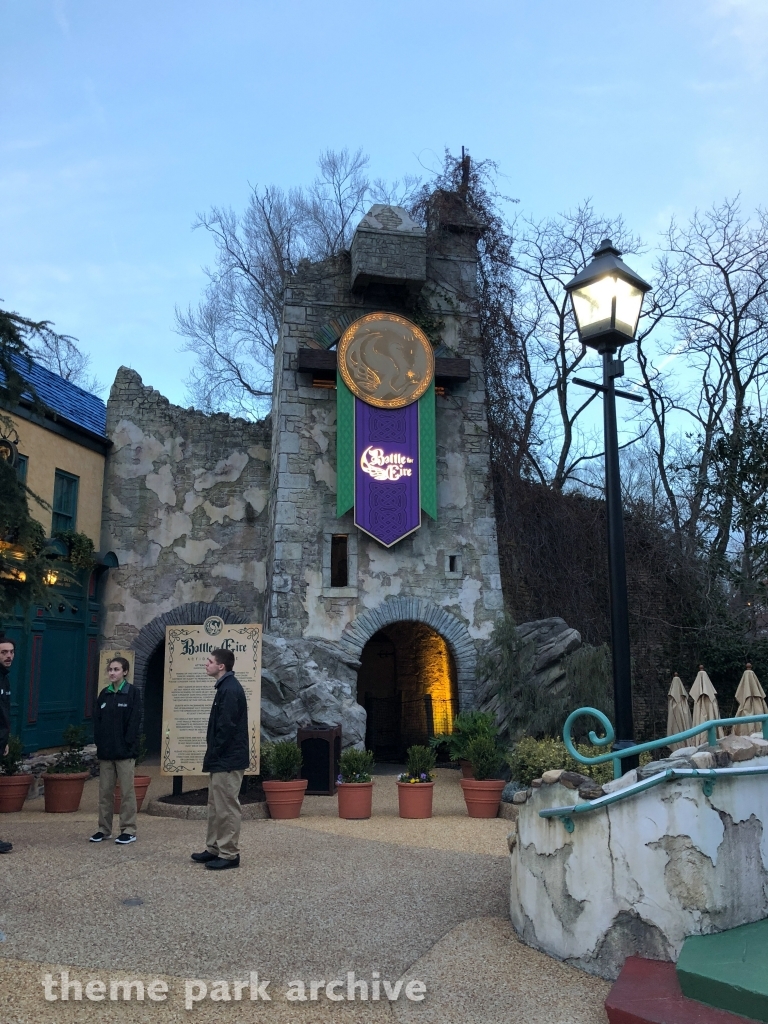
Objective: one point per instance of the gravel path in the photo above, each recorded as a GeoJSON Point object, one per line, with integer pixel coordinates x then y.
{"type": "Point", "coordinates": [314, 899]}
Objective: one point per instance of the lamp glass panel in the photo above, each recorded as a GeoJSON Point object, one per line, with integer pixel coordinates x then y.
{"type": "Point", "coordinates": [628, 302]}
{"type": "Point", "coordinates": [594, 309]}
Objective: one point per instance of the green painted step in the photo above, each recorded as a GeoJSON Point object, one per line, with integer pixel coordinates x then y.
{"type": "Point", "coordinates": [728, 970]}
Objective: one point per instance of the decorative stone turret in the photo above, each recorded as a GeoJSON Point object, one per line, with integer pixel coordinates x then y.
{"type": "Point", "coordinates": [389, 248]}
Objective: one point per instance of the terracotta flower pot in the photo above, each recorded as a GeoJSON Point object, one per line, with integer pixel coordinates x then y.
{"type": "Point", "coordinates": [13, 792]}
{"type": "Point", "coordinates": [482, 797]}
{"type": "Point", "coordinates": [284, 799]}
{"type": "Point", "coordinates": [64, 792]}
{"type": "Point", "coordinates": [467, 771]}
{"type": "Point", "coordinates": [355, 799]}
{"type": "Point", "coordinates": [415, 799]}
{"type": "Point", "coordinates": [141, 785]}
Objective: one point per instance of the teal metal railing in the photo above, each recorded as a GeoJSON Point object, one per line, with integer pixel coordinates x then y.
{"type": "Point", "coordinates": [617, 756]}
{"type": "Point", "coordinates": [708, 776]}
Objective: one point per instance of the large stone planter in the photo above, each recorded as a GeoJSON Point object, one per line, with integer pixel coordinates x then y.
{"type": "Point", "coordinates": [637, 877]}
{"type": "Point", "coordinates": [13, 792]}
{"type": "Point", "coordinates": [64, 792]}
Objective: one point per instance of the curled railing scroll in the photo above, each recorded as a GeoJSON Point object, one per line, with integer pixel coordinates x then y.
{"type": "Point", "coordinates": [639, 748]}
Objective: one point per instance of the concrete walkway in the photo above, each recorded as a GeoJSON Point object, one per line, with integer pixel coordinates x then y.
{"type": "Point", "coordinates": [314, 899]}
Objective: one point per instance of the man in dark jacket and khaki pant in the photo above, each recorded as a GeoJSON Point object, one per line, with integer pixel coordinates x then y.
{"type": "Point", "coordinates": [226, 758]}
{"type": "Point", "coordinates": [116, 725]}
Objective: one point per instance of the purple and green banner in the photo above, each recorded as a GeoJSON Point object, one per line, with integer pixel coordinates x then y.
{"type": "Point", "coordinates": [387, 502]}
{"type": "Point", "coordinates": [374, 476]}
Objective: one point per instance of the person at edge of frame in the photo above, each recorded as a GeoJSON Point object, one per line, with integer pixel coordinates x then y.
{"type": "Point", "coordinates": [226, 759]}
{"type": "Point", "coordinates": [116, 726]}
{"type": "Point", "coordinates": [7, 652]}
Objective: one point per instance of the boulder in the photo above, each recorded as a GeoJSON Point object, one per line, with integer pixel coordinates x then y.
{"type": "Point", "coordinates": [703, 759]}
{"type": "Point", "coordinates": [552, 776]}
{"type": "Point", "coordinates": [309, 682]}
{"type": "Point", "coordinates": [546, 643]}
{"type": "Point", "coordinates": [573, 780]}
{"type": "Point", "coordinates": [654, 767]}
{"type": "Point", "coordinates": [616, 784]}
{"type": "Point", "coordinates": [741, 748]}
{"type": "Point", "coordinates": [591, 791]}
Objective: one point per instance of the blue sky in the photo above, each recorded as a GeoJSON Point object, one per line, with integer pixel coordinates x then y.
{"type": "Point", "coordinates": [118, 122]}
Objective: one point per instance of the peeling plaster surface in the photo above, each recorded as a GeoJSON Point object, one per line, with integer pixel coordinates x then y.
{"type": "Point", "coordinates": [324, 621]}
{"type": "Point", "coordinates": [325, 473]}
{"type": "Point", "coordinates": [641, 875]}
{"type": "Point", "coordinates": [235, 511]}
{"type": "Point", "coordinates": [452, 491]}
{"type": "Point", "coordinates": [175, 550]}
{"type": "Point", "coordinates": [257, 498]}
{"type": "Point", "coordinates": [194, 551]}
{"type": "Point", "coordinates": [228, 469]}
{"type": "Point", "coordinates": [162, 484]}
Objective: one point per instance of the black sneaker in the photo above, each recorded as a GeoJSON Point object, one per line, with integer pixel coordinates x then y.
{"type": "Point", "coordinates": [5, 847]}
{"type": "Point", "coordinates": [222, 863]}
{"type": "Point", "coordinates": [204, 857]}
{"type": "Point", "coordinates": [97, 837]}
{"type": "Point", "coordinates": [124, 838]}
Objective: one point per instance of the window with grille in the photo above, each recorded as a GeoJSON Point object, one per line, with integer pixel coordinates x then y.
{"type": "Point", "coordinates": [64, 501]}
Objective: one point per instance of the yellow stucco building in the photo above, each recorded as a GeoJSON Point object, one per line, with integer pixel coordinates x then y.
{"type": "Point", "coordinates": [61, 457]}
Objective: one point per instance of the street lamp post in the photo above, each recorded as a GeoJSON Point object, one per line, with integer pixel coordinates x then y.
{"type": "Point", "coordinates": [607, 297]}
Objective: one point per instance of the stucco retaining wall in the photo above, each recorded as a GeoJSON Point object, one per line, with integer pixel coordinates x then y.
{"type": "Point", "coordinates": [638, 877]}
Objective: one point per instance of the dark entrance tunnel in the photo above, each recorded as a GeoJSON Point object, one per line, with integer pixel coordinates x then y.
{"type": "Point", "coordinates": [153, 699]}
{"type": "Point", "coordinates": [407, 684]}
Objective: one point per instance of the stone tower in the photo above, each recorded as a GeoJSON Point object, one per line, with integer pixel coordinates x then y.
{"type": "Point", "coordinates": [445, 575]}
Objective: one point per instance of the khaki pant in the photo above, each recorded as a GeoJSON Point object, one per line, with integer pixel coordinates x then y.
{"type": "Point", "coordinates": [224, 814]}
{"type": "Point", "coordinates": [111, 772]}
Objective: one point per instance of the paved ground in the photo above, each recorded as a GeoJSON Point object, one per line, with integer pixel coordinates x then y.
{"type": "Point", "coordinates": [314, 899]}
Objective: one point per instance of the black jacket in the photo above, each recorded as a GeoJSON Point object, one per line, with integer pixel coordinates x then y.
{"type": "Point", "coordinates": [116, 723]}
{"type": "Point", "coordinates": [227, 728]}
{"type": "Point", "coordinates": [5, 708]}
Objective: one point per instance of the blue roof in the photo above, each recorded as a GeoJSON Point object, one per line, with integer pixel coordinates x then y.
{"type": "Point", "coordinates": [78, 407]}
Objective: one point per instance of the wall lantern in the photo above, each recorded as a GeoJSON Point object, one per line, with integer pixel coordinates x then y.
{"type": "Point", "coordinates": [607, 297]}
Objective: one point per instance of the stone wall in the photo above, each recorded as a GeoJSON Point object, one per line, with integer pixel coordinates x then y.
{"type": "Point", "coordinates": [185, 510]}
{"type": "Point", "coordinates": [638, 876]}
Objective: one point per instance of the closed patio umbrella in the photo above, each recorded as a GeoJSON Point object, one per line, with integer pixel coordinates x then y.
{"type": "Point", "coordinates": [751, 698]}
{"type": "Point", "coordinates": [705, 707]}
{"type": "Point", "coordinates": [678, 712]}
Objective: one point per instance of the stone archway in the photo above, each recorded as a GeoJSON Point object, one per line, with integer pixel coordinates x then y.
{"type": "Point", "coordinates": [149, 642]}
{"type": "Point", "coordinates": [417, 609]}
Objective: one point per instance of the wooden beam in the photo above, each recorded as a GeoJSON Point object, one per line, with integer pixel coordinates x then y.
{"type": "Point", "coordinates": [322, 365]}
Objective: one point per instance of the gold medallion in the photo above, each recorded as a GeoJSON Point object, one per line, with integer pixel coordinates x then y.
{"type": "Point", "coordinates": [385, 360]}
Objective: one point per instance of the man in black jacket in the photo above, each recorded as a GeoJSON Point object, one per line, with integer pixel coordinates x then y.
{"type": "Point", "coordinates": [226, 758]}
{"type": "Point", "coordinates": [7, 651]}
{"type": "Point", "coordinates": [116, 725]}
